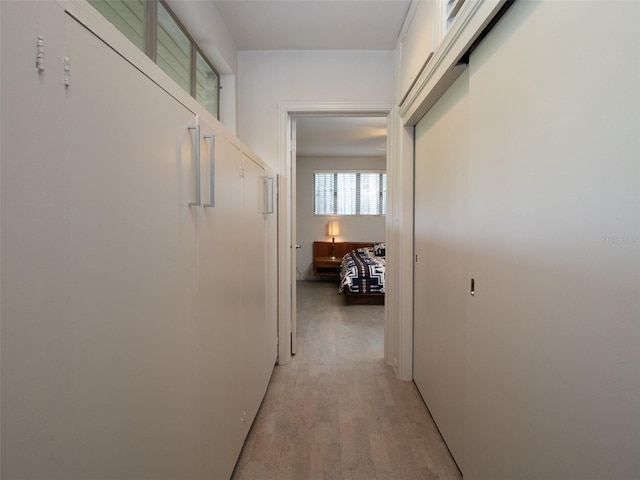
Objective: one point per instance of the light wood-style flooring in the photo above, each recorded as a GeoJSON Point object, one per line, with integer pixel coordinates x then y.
{"type": "Point", "coordinates": [336, 411]}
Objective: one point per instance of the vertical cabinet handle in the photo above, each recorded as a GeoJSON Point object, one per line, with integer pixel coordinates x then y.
{"type": "Point", "coordinates": [212, 163]}
{"type": "Point", "coordinates": [196, 162]}
{"type": "Point", "coordinates": [268, 195]}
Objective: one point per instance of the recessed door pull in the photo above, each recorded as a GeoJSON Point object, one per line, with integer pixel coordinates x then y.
{"type": "Point", "coordinates": [473, 287]}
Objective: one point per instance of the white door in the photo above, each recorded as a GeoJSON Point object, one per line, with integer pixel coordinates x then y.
{"type": "Point", "coordinates": [441, 286]}
{"type": "Point", "coordinates": [256, 365]}
{"type": "Point", "coordinates": [96, 226]}
{"type": "Point", "coordinates": [220, 333]}
{"type": "Point", "coordinates": [294, 245]}
{"type": "Point", "coordinates": [553, 339]}
{"type": "Point", "coordinates": [132, 256]}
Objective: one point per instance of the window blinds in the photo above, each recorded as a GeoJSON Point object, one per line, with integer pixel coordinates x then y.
{"type": "Point", "coordinates": [349, 193]}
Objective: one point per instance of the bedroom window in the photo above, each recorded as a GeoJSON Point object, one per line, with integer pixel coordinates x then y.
{"type": "Point", "coordinates": [155, 30]}
{"type": "Point", "coordinates": [350, 193]}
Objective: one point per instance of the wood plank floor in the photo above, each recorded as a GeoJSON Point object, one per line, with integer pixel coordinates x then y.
{"type": "Point", "coordinates": [337, 411]}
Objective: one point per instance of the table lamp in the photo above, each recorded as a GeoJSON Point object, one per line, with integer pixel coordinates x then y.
{"type": "Point", "coordinates": [334, 230]}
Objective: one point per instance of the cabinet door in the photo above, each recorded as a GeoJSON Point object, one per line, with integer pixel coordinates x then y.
{"type": "Point", "coordinates": [257, 365]}
{"type": "Point", "coordinates": [441, 285]}
{"type": "Point", "coordinates": [419, 43]}
{"type": "Point", "coordinates": [132, 267]}
{"type": "Point", "coordinates": [220, 325]}
{"type": "Point", "coordinates": [37, 424]}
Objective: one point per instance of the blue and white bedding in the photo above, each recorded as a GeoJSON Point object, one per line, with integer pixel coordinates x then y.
{"type": "Point", "coordinates": [362, 271]}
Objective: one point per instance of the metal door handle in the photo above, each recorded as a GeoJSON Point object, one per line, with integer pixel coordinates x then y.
{"type": "Point", "coordinates": [196, 160]}
{"type": "Point", "coordinates": [268, 195]}
{"type": "Point", "coordinates": [298, 246]}
{"type": "Point", "coordinates": [212, 163]}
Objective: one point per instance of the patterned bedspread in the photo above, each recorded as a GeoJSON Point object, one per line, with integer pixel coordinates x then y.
{"type": "Point", "coordinates": [361, 272]}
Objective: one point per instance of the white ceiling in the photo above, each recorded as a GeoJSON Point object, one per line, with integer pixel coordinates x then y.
{"type": "Point", "coordinates": [341, 136]}
{"type": "Point", "coordinates": [314, 24]}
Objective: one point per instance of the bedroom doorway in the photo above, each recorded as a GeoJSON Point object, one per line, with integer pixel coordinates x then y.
{"type": "Point", "coordinates": [307, 137]}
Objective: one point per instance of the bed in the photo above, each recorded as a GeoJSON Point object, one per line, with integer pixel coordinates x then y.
{"type": "Point", "coordinates": [362, 274]}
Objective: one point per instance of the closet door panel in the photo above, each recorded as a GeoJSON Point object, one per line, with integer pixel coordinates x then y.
{"type": "Point", "coordinates": [133, 283]}
{"type": "Point", "coordinates": [553, 347]}
{"type": "Point", "coordinates": [441, 283]}
{"type": "Point", "coordinates": [220, 326]}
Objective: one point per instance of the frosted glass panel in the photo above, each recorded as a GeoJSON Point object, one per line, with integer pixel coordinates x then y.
{"type": "Point", "coordinates": [173, 53]}
{"type": "Point", "coordinates": [127, 16]}
{"type": "Point", "coordinates": [206, 85]}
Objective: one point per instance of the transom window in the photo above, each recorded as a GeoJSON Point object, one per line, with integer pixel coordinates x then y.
{"type": "Point", "coordinates": [350, 193]}
{"type": "Point", "coordinates": [155, 30]}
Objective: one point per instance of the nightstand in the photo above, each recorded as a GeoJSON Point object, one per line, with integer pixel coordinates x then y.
{"type": "Point", "coordinates": [323, 264]}
{"type": "Point", "coordinates": [327, 266]}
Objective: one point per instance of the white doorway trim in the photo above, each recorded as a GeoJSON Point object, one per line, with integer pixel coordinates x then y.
{"type": "Point", "coordinates": [286, 112]}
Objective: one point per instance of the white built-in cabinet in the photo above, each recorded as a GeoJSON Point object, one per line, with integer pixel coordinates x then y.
{"type": "Point", "coordinates": [527, 182]}
{"type": "Point", "coordinates": [135, 336]}
{"type": "Point", "coordinates": [423, 34]}
{"type": "Point", "coordinates": [421, 38]}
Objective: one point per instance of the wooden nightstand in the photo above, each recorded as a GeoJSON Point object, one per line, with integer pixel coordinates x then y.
{"type": "Point", "coordinates": [327, 266]}
{"type": "Point", "coordinates": [323, 264]}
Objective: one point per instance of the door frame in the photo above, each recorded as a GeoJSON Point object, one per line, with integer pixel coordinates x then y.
{"type": "Point", "coordinates": [286, 251]}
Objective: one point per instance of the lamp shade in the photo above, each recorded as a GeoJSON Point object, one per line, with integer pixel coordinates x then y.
{"type": "Point", "coordinates": [334, 228]}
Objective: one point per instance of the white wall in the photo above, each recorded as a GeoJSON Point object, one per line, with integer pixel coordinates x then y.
{"type": "Point", "coordinates": [268, 78]}
{"type": "Point", "coordinates": [311, 228]}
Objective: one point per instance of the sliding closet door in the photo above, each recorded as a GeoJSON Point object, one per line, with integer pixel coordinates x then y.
{"type": "Point", "coordinates": [553, 389]}
{"type": "Point", "coordinates": [441, 283]}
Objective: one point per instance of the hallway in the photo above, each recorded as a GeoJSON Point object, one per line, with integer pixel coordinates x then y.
{"type": "Point", "coordinates": [336, 411]}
